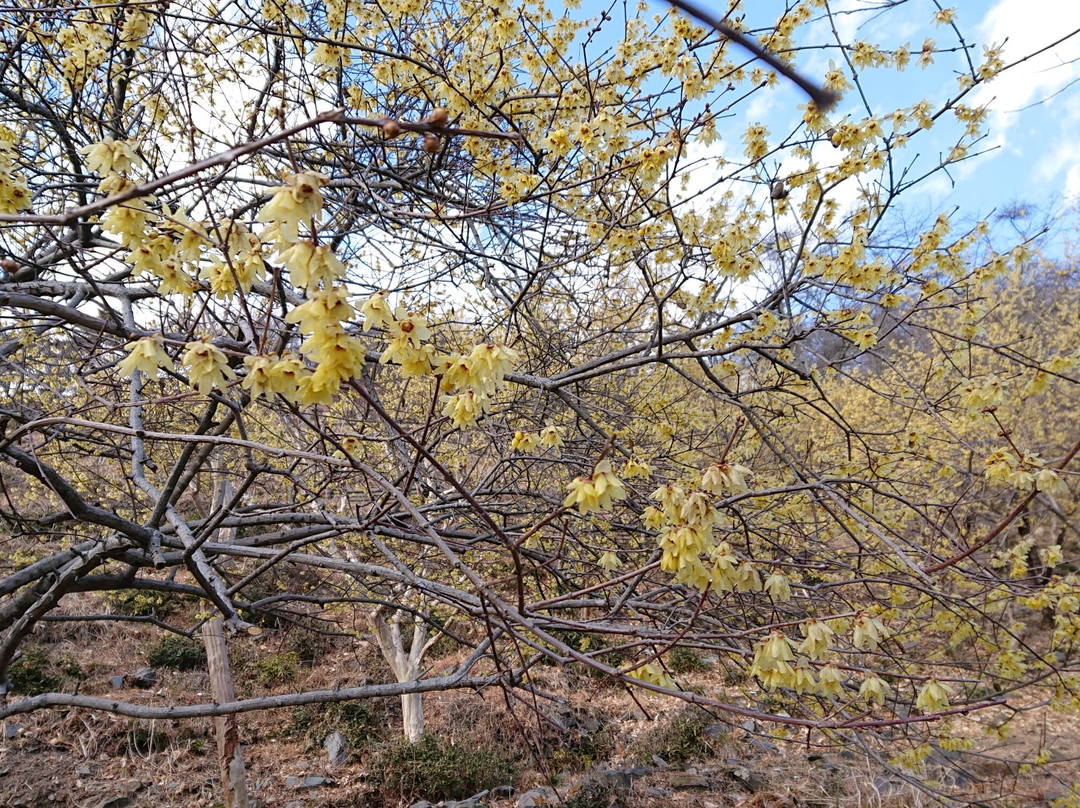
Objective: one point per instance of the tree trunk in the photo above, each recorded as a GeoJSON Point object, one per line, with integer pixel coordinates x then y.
{"type": "Point", "coordinates": [230, 757]}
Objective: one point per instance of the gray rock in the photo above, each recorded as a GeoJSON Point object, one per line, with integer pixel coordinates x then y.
{"type": "Point", "coordinates": [337, 749]}
{"type": "Point", "coordinates": [750, 778]}
{"type": "Point", "coordinates": [614, 779]}
{"type": "Point", "coordinates": [120, 801]}
{"type": "Point", "coordinates": [116, 682]}
{"type": "Point", "coordinates": [716, 731]}
{"type": "Point", "coordinates": [683, 781]}
{"type": "Point", "coordinates": [888, 786]}
{"type": "Point", "coordinates": [11, 731]}
{"type": "Point", "coordinates": [313, 781]}
{"type": "Point", "coordinates": [538, 797]}
{"type": "Point", "coordinates": [144, 677]}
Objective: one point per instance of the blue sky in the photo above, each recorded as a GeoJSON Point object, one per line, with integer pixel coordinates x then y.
{"type": "Point", "coordinates": [1032, 154]}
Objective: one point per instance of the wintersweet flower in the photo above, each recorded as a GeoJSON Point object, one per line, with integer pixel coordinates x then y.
{"type": "Point", "coordinates": [869, 632]}
{"type": "Point", "coordinates": [209, 367]}
{"type": "Point", "coordinates": [418, 362]}
{"type": "Point", "coordinates": [778, 587]}
{"type": "Point", "coordinates": [551, 437]}
{"type": "Point", "coordinates": [319, 387]}
{"type": "Point", "coordinates": [491, 362]}
{"type": "Point", "coordinates": [653, 674]}
{"type": "Point", "coordinates": [310, 264]}
{"type": "Point", "coordinates": [287, 374]}
{"type": "Point", "coordinates": [299, 200]}
{"type": "Point", "coordinates": [636, 468]}
{"type": "Point", "coordinates": [874, 689]}
{"type": "Point", "coordinates": [804, 678]}
{"type": "Point", "coordinates": [377, 312]}
{"type": "Point", "coordinates": [408, 327]}
{"type": "Point", "coordinates": [322, 309]}
{"type": "Point", "coordinates": [406, 331]}
{"type": "Point", "coordinates": [147, 355]}
{"type": "Point", "coordinates": [818, 637]}
{"type": "Point", "coordinates": [830, 680]}
{"type": "Point", "coordinates": [336, 352]}
{"type": "Point", "coordinates": [456, 372]}
{"type": "Point", "coordinates": [725, 476]}
{"type": "Point", "coordinates": [609, 561]}
{"type": "Point", "coordinates": [747, 578]}
{"type": "Point", "coordinates": [259, 381]}
{"type": "Point", "coordinates": [932, 698]}
{"type": "Point", "coordinates": [724, 571]}
{"type": "Point", "coordinates": [465, 408]}
{"type": "Point", "coordinates": [772, 659]}
{"type": "Point", "coordinates": [523, 442]}
{"type": "Point", "coordinates": [110, 156]}
{"type": "Point", "coordinates": [596, 492]}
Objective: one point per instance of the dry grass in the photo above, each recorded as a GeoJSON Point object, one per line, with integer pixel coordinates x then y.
{"type": "Point", "coordinates": [81, 759]}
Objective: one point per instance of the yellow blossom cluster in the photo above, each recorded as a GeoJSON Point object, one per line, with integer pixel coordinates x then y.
{"type": "Point", "coordinates": [597, 492]}
{"type": "Point", "coordinates": [469, 381]}
{"type": "Point", "coordinates": [14, 192]}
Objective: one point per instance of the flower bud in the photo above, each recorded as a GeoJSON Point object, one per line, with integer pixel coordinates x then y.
{"type": "Point", "coordinates": [431, 143]}
{"type": "Point", "coordinates": [438, 117]}
{"type": "Point", "coordinates": [390, 127]}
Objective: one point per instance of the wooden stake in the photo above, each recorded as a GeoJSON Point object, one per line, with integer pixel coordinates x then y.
{"type": "Point", "coordinates": [228, 740]}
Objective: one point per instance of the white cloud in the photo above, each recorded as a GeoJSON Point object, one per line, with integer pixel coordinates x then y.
{"type": "Point", "coordinates": [1027, 26]}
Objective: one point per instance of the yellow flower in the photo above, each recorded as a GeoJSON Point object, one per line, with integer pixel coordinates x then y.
{"type": "Point", "coordinates": [491, 362]}
{"type": "Point", "coordinates": [747, 579]}
{"type": "Point", "coordinates": [609, 560]}
{"type": "Point", "coordinates": [724, 572]}
{"type": "Point", "coordinates": [524, 442]}
{"type": "Point", "coordinates": [874, 689]}
{"type": "Point", "coordinates": [336, 352]}
{"type": "Point", "coordinates": [286, 375]}
{"type": "Point", "coordinates": [465, 408]}
{"type": "Point", "coordinates": [418, 361]}
{"type": "Point", "coordinates": [933, 698]}
{"type": "Point", "coordinates": [319, 387]}
{"type": "Point", "coordinates": [258, 380]}
{"type": "Point", "coordinates": [636, 468]}
{"type": "Point", "coordinates": [309, 265]}
{"type": "Point", "coordinates": [324, 308]}
{"type": "Point", "coordinates": [291, 204]}
{"type": "Point", "coordinates": [869, 632]}
{"type": "Point", "coordinates": [209, 367]}
{"type": "Point", "coordinates": [831, 680]}
{"type": "Point", "coordinates": [772, 657]}
{"type": "Point", "coordinates": [653, 674]}
{"type": "Point", "coordinates": [406, 332]}
{"type": "Point", "coordinates": [818, 637]}
{"type": "Point", "coordinates": [1050, 481]}
{"type": "Point", "coordinates": [147, 355]}
{"type": "Point", "coordinates": [652, 517]}
{"type": "Point", "coordinates": [804, 678]}
{"type": "Point", "coordinates": [551, 437]}
{"type": "Point", "coordinates": [456, 372]}
{"type": "Point", "coordinates": [725, 476]}
{"type": "Point", "coordinates": [596, 492]}
{"type": "Point", "coordinates": [778, 587]}
{"type": "Point", "coordinates": [110, 156]}
{"type": "Point", "coordinates": [408, 327]}
{"type": "Point", "coordinates": [376, 311]}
